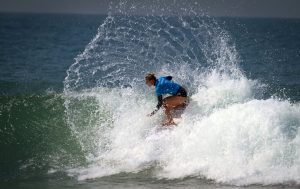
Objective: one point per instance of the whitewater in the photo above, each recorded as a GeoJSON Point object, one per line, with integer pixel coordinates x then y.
{"type": "Point", "coordinates": [230, 133]}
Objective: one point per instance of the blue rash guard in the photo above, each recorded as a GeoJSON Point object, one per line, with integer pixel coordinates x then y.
{"type": "Point", "coordinates": [165, 85]}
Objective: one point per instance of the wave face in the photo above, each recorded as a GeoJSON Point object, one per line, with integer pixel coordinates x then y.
{"type": "Point", "coordinates": [228, 133]}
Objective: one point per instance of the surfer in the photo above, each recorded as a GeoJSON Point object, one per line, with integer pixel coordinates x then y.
{"type": "Point", "coordinates": [163, 86]}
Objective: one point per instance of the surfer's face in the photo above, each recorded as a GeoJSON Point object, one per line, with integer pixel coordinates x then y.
{"type": "Point", "coordinates": [149, 82]}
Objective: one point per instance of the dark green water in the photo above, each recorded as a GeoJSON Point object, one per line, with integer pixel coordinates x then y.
{"type": "Point", "coordinates": [34, 136]}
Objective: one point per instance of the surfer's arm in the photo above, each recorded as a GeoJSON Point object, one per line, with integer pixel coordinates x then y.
{"type": "Point", "coordinates": [159, 104]}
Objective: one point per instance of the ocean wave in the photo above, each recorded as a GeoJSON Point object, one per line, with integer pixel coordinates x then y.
{"type": "Point", "coordinates": [230, 132]}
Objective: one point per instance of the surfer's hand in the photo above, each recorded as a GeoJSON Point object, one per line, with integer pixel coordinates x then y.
{"type": "Point", "coordinates": [151, 114]}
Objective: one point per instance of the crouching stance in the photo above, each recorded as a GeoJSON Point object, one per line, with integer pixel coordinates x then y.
{"type": "Point", "coordinates": [163, 86]}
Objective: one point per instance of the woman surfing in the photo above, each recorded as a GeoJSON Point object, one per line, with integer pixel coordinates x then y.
{"type": "Point", "coordinates": [163, 86]}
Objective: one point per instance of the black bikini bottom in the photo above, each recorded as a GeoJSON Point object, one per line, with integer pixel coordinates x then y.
{"type": "Point", "coordinates": [181, 92]}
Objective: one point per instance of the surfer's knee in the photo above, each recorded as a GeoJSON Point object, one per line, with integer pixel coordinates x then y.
{"type": "Point", "coordinates": [167, 105]}
{"type": "Point", "coordinates": [164, 103]}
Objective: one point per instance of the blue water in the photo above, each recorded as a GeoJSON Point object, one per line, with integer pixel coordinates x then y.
{"type": "Point", "coordinates": [269, 50]}
{"type": "Point", "coordinates": [63, 78]}
{"type": "Point", "coordinates": [37, 49]}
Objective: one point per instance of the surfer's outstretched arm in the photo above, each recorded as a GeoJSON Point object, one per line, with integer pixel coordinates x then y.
{"type": "Point", "coordinates": [159, 104]}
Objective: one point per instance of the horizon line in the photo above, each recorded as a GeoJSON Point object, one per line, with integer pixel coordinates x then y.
{"type": "Point", "coordinates": [106, 14]}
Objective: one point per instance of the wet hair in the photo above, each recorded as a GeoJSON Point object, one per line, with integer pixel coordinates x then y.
{"type": "Point", "coordinates": [150, 76]}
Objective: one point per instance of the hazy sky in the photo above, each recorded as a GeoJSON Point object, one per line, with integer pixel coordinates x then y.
{"type": "Point", "coordinates": [244, 8]}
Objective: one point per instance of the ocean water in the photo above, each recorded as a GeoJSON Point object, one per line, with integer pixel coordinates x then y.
{"type": "Point", "coordinates": [74, 104]}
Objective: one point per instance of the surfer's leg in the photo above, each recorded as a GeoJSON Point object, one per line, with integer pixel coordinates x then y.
{"type": "Point", "coordinates": [169, 104]}
{"type": "Point", "coordinates": [174, 101]}
{"type": "Point", "coordinates": [169, 118]}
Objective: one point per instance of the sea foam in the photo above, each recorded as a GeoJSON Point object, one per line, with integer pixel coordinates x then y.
{"type": "Point", "coordinates": [230, 133]}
